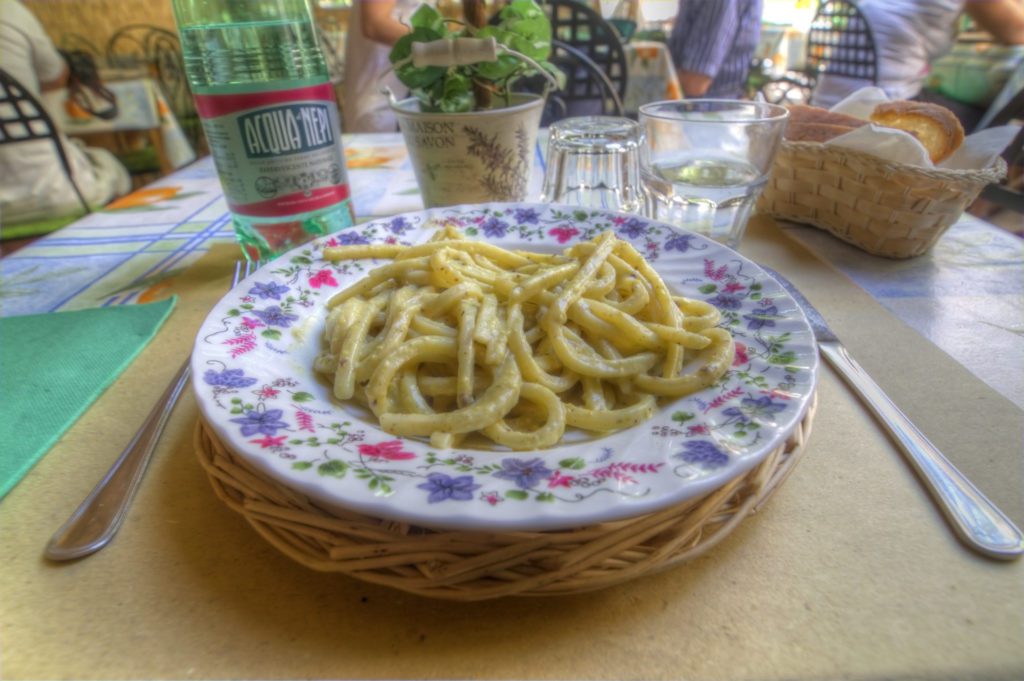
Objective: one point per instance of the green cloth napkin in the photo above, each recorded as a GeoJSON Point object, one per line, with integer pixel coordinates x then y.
{"type": "Point", "coordinates": [53, 366]}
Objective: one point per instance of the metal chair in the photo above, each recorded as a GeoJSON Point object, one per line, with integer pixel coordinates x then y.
{"type": "Point", "coordinates": [588, 91]}
{"type": "Point", "coordinates": [579, 26]}
{"type": "Point", "coordinates": [839, 42]}
{"type": "Point", "coordinates": [159, 50]}
{"type": "Point", "coordinates": [73, 42]}
{"type": "Point", "coordinates": [23, 118]}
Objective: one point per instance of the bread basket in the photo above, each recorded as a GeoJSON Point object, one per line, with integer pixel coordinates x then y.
{"type": "Point", "coordinates": [887, 209]}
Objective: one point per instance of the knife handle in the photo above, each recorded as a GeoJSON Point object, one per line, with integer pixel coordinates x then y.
{"type": "Point", "coordinates": [975, 519]}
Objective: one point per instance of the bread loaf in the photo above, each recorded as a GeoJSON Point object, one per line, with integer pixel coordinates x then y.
{"type": "Point", "coordinates": [814, 124]}
{"type": "Point", "coordinates": [934, 126]}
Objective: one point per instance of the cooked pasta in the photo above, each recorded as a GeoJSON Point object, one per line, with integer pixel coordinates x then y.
{"type": "Point", "coordinates": [456, 337]}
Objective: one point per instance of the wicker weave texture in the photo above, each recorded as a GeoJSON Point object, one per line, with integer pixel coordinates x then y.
{"type": "Point", "coordinates": [474, 565]}
{"type": "Point", "coordinates": [886, 209]}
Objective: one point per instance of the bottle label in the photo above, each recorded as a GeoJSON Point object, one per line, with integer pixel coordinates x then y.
{"type": "Point", "coordinates": [278, 153]}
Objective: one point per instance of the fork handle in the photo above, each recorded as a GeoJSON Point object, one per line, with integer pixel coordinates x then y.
{"type": "Point", "coordinates": [100, 515]}
{"type": "Point", "coordinates": [974, 518]}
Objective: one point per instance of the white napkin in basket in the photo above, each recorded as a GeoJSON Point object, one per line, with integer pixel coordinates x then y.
{"type": "Point", "coordinates": [979, 150]}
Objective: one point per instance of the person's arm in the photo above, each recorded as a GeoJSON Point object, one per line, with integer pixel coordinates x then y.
{"type": "Point", "coordinates": [378, 24]}
{"type": "Point", "coordinates": [57, 83]}
{"type": "Point", "coordinates": [1003, 19]}
{"type": "Point", "coordinates": [700, 46]}
{"type": "Point", "coordinates": [692, 83]}
{"type": "Point", "coordinates": [50, 68]}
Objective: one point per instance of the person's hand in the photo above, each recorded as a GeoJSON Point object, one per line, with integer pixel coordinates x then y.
{"type": "Point", "coordinates": [692, 83]}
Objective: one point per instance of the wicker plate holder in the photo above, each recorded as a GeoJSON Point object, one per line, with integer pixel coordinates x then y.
{"type": "Point", "coordinates": [887, 209]}
{"type": "Point", "coordinates": [475, 565]}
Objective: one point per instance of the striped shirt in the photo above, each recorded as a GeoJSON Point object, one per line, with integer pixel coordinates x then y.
{"type": "Point", "coordinates": [717, 38]}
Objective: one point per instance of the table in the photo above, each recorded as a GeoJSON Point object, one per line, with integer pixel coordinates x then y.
{"type": "Point", "coordinates": [847, 572]}
{"type": "Point", "coordinates": [652, 76]}
{"type": "Point", "coordinates": [141, 107]}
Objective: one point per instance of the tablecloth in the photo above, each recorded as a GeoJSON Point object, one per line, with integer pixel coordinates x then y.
{"type": "Point", "coordinates": [848, 571]}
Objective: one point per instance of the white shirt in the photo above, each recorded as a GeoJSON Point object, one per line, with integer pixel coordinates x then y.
{"type": "Point", "coordinates": [365, 108]}
{"type": "Point", "coordinates": [33, 184]}
{"type": "Point", "coordinates": [909, 35]}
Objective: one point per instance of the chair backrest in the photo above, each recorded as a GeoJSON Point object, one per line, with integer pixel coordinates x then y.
{"type": "Point", "coordinates": [73, 42]}
{"type": "Point", "coordinates": [840, 42]}
{"type": "Point", "coordinates": [159, 50]}
{"type": "Point", "coordinates": [23, 118]}
{"type": "Point", "coordinates": [579, 26]}
{"type": "Point", "coordinates": [588, 91]}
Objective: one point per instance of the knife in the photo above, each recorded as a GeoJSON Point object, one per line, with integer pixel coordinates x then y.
{"type": "Point", "coordinates": [975, 519]}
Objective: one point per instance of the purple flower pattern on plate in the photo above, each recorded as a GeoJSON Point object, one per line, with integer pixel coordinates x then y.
{"type": "Point", "coordinates": [322, 448]}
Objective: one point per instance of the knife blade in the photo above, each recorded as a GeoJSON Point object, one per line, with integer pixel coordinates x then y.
{"type": "Point", "coordinates": [974, 518]}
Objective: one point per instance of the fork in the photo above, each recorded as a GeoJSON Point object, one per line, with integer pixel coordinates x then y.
{"type": "Point", "coordinates": [95, 522]}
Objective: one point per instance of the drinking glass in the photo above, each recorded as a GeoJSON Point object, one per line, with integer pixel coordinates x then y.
{"type": "Point", "coordinates": [594, 162]}
{"type": "Point", "coordinates": [704, 162]}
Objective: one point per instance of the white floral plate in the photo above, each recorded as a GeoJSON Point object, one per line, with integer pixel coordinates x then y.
{"type": "Point", "coordinates": [256, 388]}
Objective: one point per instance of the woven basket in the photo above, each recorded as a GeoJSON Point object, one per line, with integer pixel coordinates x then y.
{"type": "Point", "coordinates": [474, 565]}
{"type": "Point", "coordinates": [884, 208]}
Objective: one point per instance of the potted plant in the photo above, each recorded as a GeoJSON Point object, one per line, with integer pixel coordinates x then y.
{"type": "Point", "coordinates": [469, 136]}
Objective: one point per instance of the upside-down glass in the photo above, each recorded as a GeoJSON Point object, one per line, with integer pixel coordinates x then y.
{"type": "Point", "coordinates": [704, 162]}
{"type": "Point", "coordinates": [594, 162]}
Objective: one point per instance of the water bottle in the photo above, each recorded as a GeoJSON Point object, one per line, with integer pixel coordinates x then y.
{"type": "Point", "coordinates": [271, 120]}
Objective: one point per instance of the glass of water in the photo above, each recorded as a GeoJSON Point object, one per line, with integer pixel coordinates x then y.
{"type": "Point", "coordinates": [594, 162]}
{"type": "Point", "coordinates": [704, 162]}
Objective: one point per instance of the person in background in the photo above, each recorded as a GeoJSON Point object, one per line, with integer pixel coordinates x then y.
{"type": "Point", "coordinates": [911, 34]}
{"type": "Point", "coordinates": [712, 44]}
{"type": "Point", "coordinates": [374, 26]}
{"type": "Point", "coordinates": [33, 184]}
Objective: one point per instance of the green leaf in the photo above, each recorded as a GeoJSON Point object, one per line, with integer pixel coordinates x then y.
{"type": "Point", "coordinates": [333, 468]}
{"type": "Point", "coordinates": [426, 16]}
{"type": "Point", "coordinates": [524, 9]}
{"type": "Point", "coordinates": [300, 260]}
{"type": "Point", "coordinates": [708, 288]}
{"type": "Point", "coordinates": [302, 465]}
{"type": "Point", "coordinates": [456, 94]}
{"type": "Point", "coordinates": [782, 358]}
{"type": "Point", "coordinates": [546, 496]}
{"type": "Point", "coordinates": [682, 416]}
{"type": "Point", "coordinates": [272, 334]}
{"type": "Point", "coordinates": [302, 397]}
{"type": "Point", "coordinates": [517, 494]}
{"type": "Point", "coordinates": [572, 464]}
{"type": "Point", "coordinates": [498, 70]}
{"type": "Point", "coordinates": [416, 77]}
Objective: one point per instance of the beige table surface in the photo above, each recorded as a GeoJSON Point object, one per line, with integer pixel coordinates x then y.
{"type": "Point", "coordinates": [848, 572]}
